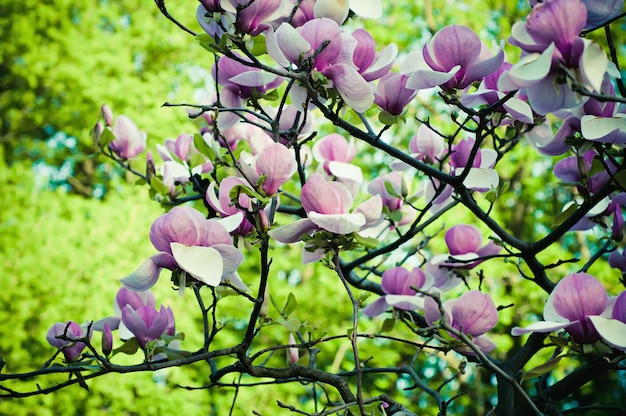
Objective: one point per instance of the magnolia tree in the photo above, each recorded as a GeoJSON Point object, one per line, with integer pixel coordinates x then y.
{"type": "Point", "coordinates": [302, 145]}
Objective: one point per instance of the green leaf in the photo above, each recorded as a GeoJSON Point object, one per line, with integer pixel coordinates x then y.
{"type": "Point", "coordinates": [106, 137]}
{"type": "Point", "coordinates": [258, 46]}
{"type": "Point", "coordinates": [208, 42]}
{"type": "Point", "coordinates": [130, 347]}
{"type": "Point", "coordinates": [290, 306]}
{"type": "Point", "coordinates": [366, 242]}
{"type": "Point", "coordinates": [159, 186]}
{"type": "Point", "coordinates": [203, 147]}
{"type": "Point", "coordinates": [395, 216]}
{"type": "Point", "coordinates": [542, 369]}
{"type": "Point", "coordinates": [291, 324]}
{"type": "Point", "coordinates": [172, 354]}
{"type": "Point", "coordinates": [560, 218]}
{"type": "Point", "coordinates": [620, 178]}
{"type": "Point", "coordinates": [389, 187]}
{"type": "Point", "coordinates": [386, 118]}
{"type": "Point", "coordinates": [388, 325]}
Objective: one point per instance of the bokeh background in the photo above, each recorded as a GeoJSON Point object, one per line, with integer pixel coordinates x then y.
{"type": "Point", "coordinates": [71, 224]}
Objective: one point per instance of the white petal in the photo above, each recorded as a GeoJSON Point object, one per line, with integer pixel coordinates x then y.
{"type": "Point", "coordinates": [231, 222]}
{"type": "Point", "coordinates": [612, 330]}
{"type": "Point", "coordinates": [203, 263]}
{"type": "Point", "coordinates": [593, 65]}
{"type": "Point", "coordinates": [344, 170]}
{"type": "Point", "coordinates": [371, 9]}
{"type": "Point", "coordinates": [253, 78]}
{"type": "Point", "coordinates": [543, 326]}
{"type": "Point", "coordinates": [338, 223]}
{"type": "Point", "coordinates": [480, 179]}
{"type": "Point", "coordinates": [529, 70]}
{"type": "Point", "coordinates": [604, 129]}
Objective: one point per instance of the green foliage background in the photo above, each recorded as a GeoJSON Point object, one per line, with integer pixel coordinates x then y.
{"type": "Point", "coordinates": [61, 255]}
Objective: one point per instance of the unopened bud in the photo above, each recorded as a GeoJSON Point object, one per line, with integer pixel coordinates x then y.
{"type": "Point", "coordinates": [107, 339]}
{"type": "Point", "coordinates": [293, 354]}
{"type": "Point", "coordinates": [107, 115]}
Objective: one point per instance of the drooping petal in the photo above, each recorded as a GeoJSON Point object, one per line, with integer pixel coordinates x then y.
{"type": "Point", "coordinates": [376, 308]}
{"type": "Point", "coordinates": [338, 223]}
{"type": "Point", "coordinates": [291, 233]}
{"type": "Point", "coordinates": [354, 90]}
{"type": "Point", "coordinates": [148, 272]}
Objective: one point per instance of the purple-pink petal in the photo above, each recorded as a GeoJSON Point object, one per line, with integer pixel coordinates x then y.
{"type": "Point", "coordinates": [474, 313]}
{"type": "Point", "coordinates": [579, 295]}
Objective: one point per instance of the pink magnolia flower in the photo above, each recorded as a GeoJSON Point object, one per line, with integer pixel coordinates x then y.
{"type": "Point", "coordinates": [320, 46]}
{"type": "Point", "coordinates": [253, 17]}
{"type": "Point", "coordinates": [393, 201]}
{"type": "Point", "coordinates": [465, 247]}
{"type": "Point", "coordinates": [489, 94]}
{"type": "Point", "coordinates": [73, 331]}
{"type": "Point", "coordinates": [455, 57]}
{"type": "Point", "coordinates": [179, 160]}
{"type": "Point", "coordinates": [129, 141]}
{"type": "Point", "coordinates": [327, 206]}
{"type": "Point", "coordinates": [224, 205]}
{"type": "Point", "coordinates": [392, 94]}
{"type": "Point", "coordinates": [426, 146]}
{"type": "Point", "coordinates": [186, 240]}
{"type": "Point", "coordinates": [276, 163]}
{"type": "Point", "coordinates": [372, 65]}
{"type": "Point", "coordinates": [146, 323]}
{"type": "Point", "coordinates": [398, 284]}
{"type": "Point", "coordinates": [335, 153]}
{"type": "Point", "coordinates": [473, 314]}
{"type": "Point", "coordinates": [481, 177]}
{"type": "Point", "coordinates": [550, 39]}
{"type": "Point", "coordinates": [598, 11]}
{"type": "Point", "coordinates": [574, 300]}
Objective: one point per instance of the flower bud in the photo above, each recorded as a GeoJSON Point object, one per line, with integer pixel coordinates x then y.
{"type": "Point", "coordinates": [107, 339]}
{"type": "Point", "coordinates": [129, 141]}
{"type": "Point", "coordinates": [292, 353]}
{"type": "Point", "coordinates": [107, 115]}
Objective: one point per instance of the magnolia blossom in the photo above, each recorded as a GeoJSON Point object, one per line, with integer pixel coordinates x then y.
{"type": "Point", "coordinates": [335, 153]}
{"type": "Point", "coordinates": [320, 46]}
{"type": "Point", "coordinates": [224, 204]}
{"type": "Point", "coordinates": [465, 247]}
{"type": "Point", "coordinates": [187, 241]}
{"type": "Point", "coordinates": [372, 65]}
{"type": "Point", "coordinates": [394, 201]}
{"type": "Point", "coordinates": [574, 300]}
{"type": "Point", "coordinates": [129, 141]}
{"type": "Point", "coordinates": [327, 206]}
{"type": "Point", "coordinates": [398, 284]}
{"type": "Point", "coordinates": [473, 314]}
{"type": "Point", "coordinates": [598, 11]}
{"type": "Point", "coordinates": [73, 331]}
{"type": "Point", "coordinates": [550, 40]}
{"type": "Point", "coordinates": [481, 176]}
{"type": "Point", "coordinates": [392, 94]}
{"type": "Point", "coordinates": [454, 58]}
{"type": "Point", "coordinates": [146, 323]}
{"type": "Point", "coordinates": [276, 164]}
{"type": "Point", "coordinates": [123, 298]}
{"type": "Point", "coordinates": [180, 161]}
{"type": "Point", "coordinates": [489, 94]}
{"type": "Point", "coordinates": [256, 17]}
